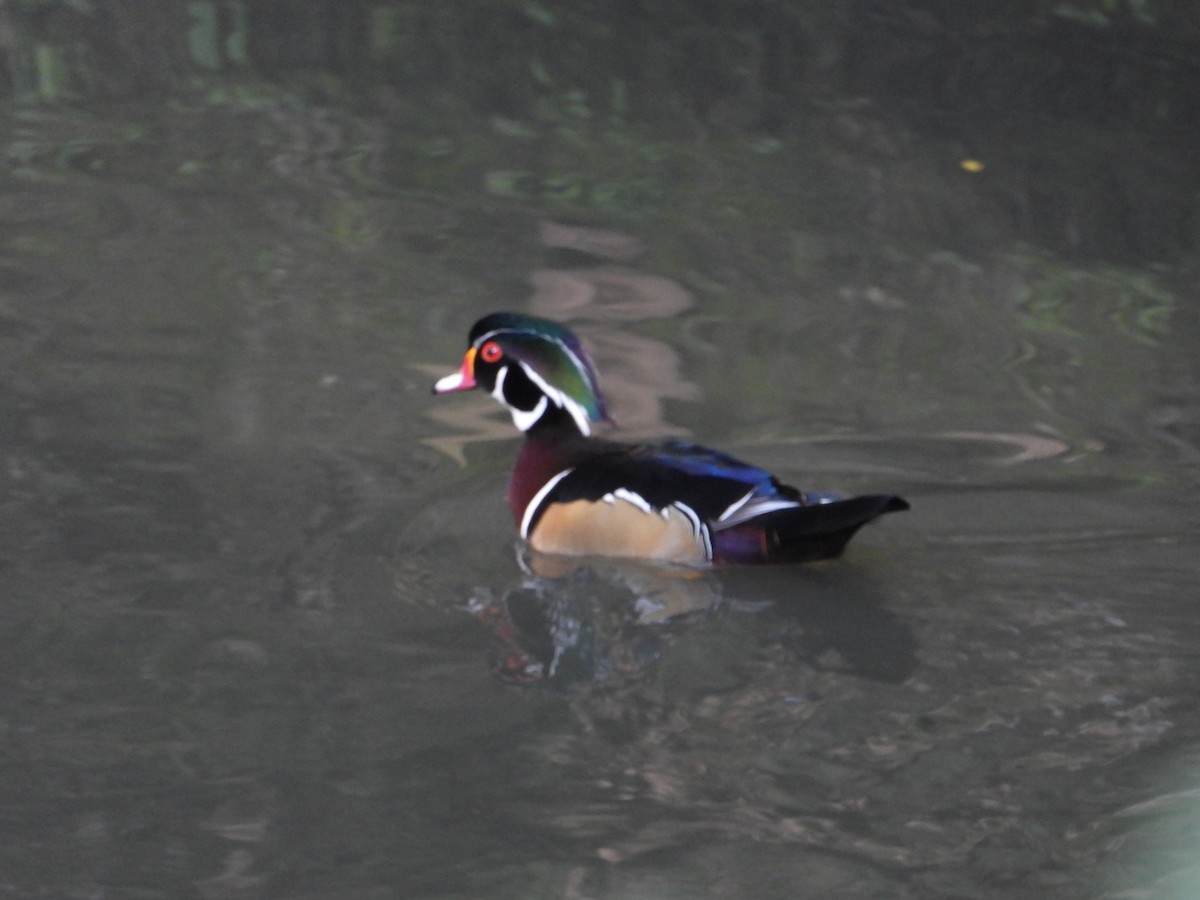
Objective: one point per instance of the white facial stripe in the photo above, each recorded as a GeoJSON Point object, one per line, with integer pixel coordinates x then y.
{"type": "Point", "coordinates": [578, 364]}
{"type": "Point", "coordinates": [482, 339]}
{"type": "Point", "coordinates": [536, 502]}
{"type": "Point", "coordinates": [498, 387]}
{"type": "Point", "coordinates": [561, 400]}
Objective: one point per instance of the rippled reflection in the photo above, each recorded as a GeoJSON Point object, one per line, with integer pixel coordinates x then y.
{"type": "Point", "coordinates": [570, 620]}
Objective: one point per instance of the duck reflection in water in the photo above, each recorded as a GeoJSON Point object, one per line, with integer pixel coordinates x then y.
{"type": "Point", "coordinates": [577, 621]}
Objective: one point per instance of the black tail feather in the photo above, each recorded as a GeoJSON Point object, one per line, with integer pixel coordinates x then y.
{"type": "Point", "coordinates": [822, 530]}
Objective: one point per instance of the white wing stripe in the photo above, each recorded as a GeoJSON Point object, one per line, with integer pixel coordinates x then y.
{"type": "Point", "coordinates": [736, 505]}
{"type": "Point", "coordinates": [629, 497]}
{"type": "Point", "coordinates": [746, 509]}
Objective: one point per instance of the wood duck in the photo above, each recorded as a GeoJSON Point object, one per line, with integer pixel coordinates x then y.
{"type": "Point", "coordinates": [574, 494]}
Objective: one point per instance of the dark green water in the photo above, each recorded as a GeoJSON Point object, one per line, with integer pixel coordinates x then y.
{"type": "Point", "coordinates": [263, 611]}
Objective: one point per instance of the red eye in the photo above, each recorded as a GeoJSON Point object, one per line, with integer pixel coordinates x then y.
{"type": "Point", "coordinates": [490, 352]}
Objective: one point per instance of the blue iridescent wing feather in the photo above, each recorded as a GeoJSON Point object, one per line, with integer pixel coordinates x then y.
{"type": "Point", "coordinates": [707, 481]}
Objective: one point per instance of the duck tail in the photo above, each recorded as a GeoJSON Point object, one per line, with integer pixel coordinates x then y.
{"type": "Point", "coordinates": [803, 533]}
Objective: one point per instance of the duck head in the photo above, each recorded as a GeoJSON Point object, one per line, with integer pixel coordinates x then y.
{"type": "Point", "coordinates": [537, 369]}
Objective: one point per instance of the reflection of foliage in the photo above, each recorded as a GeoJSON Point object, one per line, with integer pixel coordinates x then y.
{"type": "Point", "coordinates": [1143, 307]}
{"type": "Point", "coordinates": [628, 110]}
{"type": "Point", "coordinates": [1043, 304]}
{"type": "Point", "coordinates": [614, 109]}
{"type": "Point", "coordinates": [1103, 12]}
{"type": "Point", "coordinates": [588, 147]}
{"type": "Point", "coordinates": [207, 45]}
{"type": "Point", "coordinates": [1097, 339]}
{"type": "Point", "coordinates": [1056, 297]}
{"type": "Point", "coordinates": [743, 65]}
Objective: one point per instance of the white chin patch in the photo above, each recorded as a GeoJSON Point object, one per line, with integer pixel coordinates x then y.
{"type": "Point", "coordinates": [525, 419]}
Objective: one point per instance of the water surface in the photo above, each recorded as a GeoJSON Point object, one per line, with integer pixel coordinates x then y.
{"type": "Point", "coordinates": [269, 633]}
